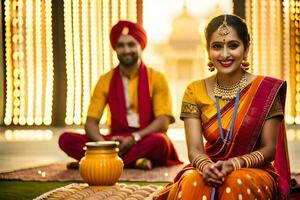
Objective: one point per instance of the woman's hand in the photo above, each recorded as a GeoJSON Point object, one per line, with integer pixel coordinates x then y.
{"type": "Point", "coordinates": [212, 175]}
{"type": "Point", "coordinates": [225, 167]}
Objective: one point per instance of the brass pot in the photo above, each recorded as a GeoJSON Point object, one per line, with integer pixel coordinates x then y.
{"type": "Point", "coordinates": [101, 165]}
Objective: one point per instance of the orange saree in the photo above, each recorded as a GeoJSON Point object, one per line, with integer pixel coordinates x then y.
{"type": "Point", "coordinates": [256, 101]}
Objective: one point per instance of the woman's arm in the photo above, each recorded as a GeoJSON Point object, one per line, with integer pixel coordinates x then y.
{"type": "Point", "coordinates": [268, 141]}
{"type": "Point", "coordinates": [194, 140]}
{"type": "Point", "coordinates": [267, 148]}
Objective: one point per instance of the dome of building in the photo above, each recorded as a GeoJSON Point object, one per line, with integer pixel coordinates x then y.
{"type": "Point", "coordinates": [185, 29]}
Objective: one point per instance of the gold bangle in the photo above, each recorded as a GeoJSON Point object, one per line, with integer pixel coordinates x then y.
{"type": "Point", "coordinates": [254, 159]}
{"type": "Point", "coordinates": [200, 161]}
{"type": "Point", "coordinates": [235, 163]}
{"type": "Point", "coordinates": [260, 157]}
{"type": "Point", "coordinates": [248, 156]}
{"type": "Point", "coordinates": [238, 163]}
{"type": "Point", "coordinates": [199, 158]}
{"type": "Point", "coordinates": [247, 162]}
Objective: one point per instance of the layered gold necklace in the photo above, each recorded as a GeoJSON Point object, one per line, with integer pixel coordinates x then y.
{"type": "Point", "coordinates": [228, 93]}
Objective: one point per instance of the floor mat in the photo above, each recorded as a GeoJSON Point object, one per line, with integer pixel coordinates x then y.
{"type": "Point", "coordinates": [118, 192]}
{"type": "Point", "coordinates": [59, 172]}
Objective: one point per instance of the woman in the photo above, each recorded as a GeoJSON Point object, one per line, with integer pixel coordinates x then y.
{"type": "Point", "coordinates": [241, 117]}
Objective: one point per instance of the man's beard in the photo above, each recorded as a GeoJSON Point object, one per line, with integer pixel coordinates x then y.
{"type": "Point", "coordinates": [128, 61]}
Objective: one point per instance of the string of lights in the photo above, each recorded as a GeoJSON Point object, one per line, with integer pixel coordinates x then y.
{"type": "Point", "coordinates": [29, 62]}
{"type": "Point", "coordinates": [29, 53]}
{"type": "Point", "coordinates": [88, 51]}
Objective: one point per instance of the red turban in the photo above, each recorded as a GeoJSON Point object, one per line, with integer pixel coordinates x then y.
{"type": "Point", "coordinates": [127, 27]}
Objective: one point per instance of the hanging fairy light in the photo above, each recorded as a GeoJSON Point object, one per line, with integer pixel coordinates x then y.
{"type": "Point", "coordinates": [29, 62]}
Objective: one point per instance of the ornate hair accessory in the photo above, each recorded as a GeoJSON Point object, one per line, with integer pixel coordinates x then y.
{"type": "Point", "coordinates": [223, 28]}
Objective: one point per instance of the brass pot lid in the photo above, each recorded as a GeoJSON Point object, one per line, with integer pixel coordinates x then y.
{"type": "Point", "coordinates": [102, 144]}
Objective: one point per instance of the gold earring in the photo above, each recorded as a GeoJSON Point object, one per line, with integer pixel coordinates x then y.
{"type": "Point", "coordinates": [211, 66]}
{"type": "Point", "coordinates": [245, 64]}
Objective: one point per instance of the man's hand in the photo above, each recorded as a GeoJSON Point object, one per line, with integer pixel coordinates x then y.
{"type": "Point", "coordinates": [125, 143]}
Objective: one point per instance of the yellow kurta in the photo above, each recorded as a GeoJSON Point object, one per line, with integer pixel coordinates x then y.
{"type": "Point", "coordinates": [159, 93]}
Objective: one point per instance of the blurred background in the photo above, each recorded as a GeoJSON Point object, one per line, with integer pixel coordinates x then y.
{"type": "Point", "coordinates": [53, 51]}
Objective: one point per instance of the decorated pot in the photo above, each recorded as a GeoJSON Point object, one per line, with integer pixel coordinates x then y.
{"type": "Point", "coordinates": [101, 165]}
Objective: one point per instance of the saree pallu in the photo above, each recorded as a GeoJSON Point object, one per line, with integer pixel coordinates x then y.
{"type": "Point", "coordinates": [270, 182]}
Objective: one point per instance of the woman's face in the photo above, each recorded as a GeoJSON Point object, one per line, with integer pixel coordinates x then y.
{"type": "Point", "coordinates": [227, 52]}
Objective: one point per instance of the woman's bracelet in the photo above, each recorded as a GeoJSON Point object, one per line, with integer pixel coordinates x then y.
{"type": "Point", "coordinates": [200, 161]}
{"type": "Point", "coordinates": [254, 159]}
{"type": "Point", "coordinates": [235, 163]}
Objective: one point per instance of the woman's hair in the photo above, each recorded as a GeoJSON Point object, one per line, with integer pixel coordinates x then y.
{"type": "Point", "coordinates": [237, 23]}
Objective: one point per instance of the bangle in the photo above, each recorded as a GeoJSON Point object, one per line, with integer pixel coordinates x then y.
{"type": "Point", "coordinates": [235, 163]}
{"type": "Point", "coordinates": [254, 159]}
{"type": "Point", "coordinates": [200, 161]}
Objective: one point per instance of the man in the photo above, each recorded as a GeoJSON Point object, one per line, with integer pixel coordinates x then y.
{"type": "Point", "coordinates": [139, 102]}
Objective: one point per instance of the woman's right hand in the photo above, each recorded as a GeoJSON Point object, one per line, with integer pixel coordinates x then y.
{"type": "Point", "coordinates": [212, 175]}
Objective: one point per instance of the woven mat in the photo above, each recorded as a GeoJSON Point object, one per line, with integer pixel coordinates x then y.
{"type": "Point", "coordinates": [59, 172]}
{"type": "Point", "coordinates": [120, 191]}
{"type": "Point", "coordinates": [80, 191]}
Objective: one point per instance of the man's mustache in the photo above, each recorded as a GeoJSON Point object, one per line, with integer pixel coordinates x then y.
{"type": "Point", "coordinates": [127, 54]}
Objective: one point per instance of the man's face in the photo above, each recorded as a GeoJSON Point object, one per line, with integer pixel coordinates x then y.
{"type": "Point", "coordinates": [128, 50]}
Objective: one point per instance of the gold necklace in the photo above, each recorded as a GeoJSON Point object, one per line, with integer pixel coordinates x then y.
{"type": "Point", "coordinates": [228, 93]}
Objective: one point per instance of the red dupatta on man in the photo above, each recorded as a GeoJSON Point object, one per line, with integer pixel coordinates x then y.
{"type": "Point", "coordinates": [117, 105]}
{"type": "Point", "coordinates": [254, 105]}
{"type": "Point", "coordinates": [119, 124]}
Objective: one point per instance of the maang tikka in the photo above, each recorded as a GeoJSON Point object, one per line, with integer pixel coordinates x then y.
{"type": "Point", "coordinates": [223, 28]}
